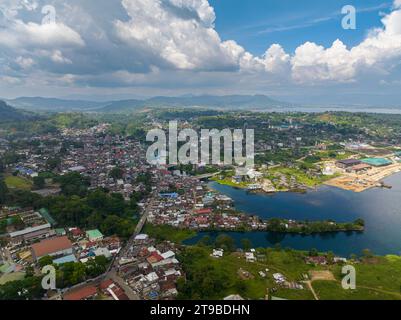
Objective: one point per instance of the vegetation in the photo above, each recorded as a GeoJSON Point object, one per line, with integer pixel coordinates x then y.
{"type": "Point", "coordinates": [165, 232]}
{"type": "Point", "coordinates": [310, 227]}
{"type": "Point", "coordinates": [378, 278]}
{"type": "Point", "coordinates": [14, 182]}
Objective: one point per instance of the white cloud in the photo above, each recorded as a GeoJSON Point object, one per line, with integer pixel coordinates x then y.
{"type": "Point", "coordinates": [180, 32]}
{"type": "Point", "coordinates": [25, 35]}
{"type": "Point", "coordinates": [378, 52]}
{"type": "Point", "coordinates": [149, 42]}
{"type": "Point", "coordinates": [24, 63]}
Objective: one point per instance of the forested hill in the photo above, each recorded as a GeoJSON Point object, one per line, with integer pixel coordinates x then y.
{"type": "Point", "coordinates": [8, 113]}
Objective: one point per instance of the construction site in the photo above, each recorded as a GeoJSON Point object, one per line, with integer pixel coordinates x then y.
{"type": "Point", "coordinates": [370, 177]}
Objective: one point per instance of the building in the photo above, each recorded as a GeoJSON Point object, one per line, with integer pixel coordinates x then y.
{"type": "Point", "coordinates": [66, 259]}
{"type": "Point", "coordinates": [377, 162]}
{"type": "Point", "coordinates": [94, 235]}
{"type": "Point", "coordinates": [85, 293]}
{"type": "Point", "coordinates": [362, 167]}
{"type": "Point", "coordinates": [59, 246]}
{"type": "Point", "coordinates": [31, 233]}
{"type": "Point", "coordinates": [46, 215]}
{"type": "Point", "coordinates": [344, 164]}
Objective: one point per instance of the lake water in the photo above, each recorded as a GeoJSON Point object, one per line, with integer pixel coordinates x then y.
{"type": "Point", "coordinates": [380, 208]}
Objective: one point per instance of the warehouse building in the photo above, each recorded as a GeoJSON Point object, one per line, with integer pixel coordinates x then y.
{"type": "Point", "coordinates": [55, 247]}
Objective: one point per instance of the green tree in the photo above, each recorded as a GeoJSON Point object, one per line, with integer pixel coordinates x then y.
{"type": "Point", "coordinates": [45, 261]}
{"type": "Point", "coordinates": [225, 242]}
{"type": "Point", "coordinates": [39, 182]}
{"type": "Point", "coordinates": [116, 173]}
{"type": "Point", "coordinates": [3, 191]}
{"type": "Point", "coordinates": [246, 244]}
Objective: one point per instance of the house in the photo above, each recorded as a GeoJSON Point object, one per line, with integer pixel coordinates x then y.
{"type": "Point", "coordinates": [237, 179]}
{"type": "Point", "coordinates": [217, 253]}
{"type": "Point", "coordinates": [66, 259]}
{"type": "Point", "coordinates": [94, 235]}
{"type": "Point", "coordinates": [59, 246]}
{"type": "Point", "coordinates": [362, 167]}
{"type": "Point", "coordinates": [81, 294]}
{"type": "Point", "coordinates": [318, 260]}
{"type": "Point", "coordinates": [102, 252]}
{"type": "Point", "coordinates": [31, 233]}
{"type": "Point", "coordinates": [344, 164]}
{"type": "Point", "coordinates": [234, 297]}
{"type": "Point", "coordinates": [278, 277]}
{"type": "Point", "coordinates": [250, 257]}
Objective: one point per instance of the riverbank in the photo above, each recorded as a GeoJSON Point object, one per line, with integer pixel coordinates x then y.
{"type": "Point", "coordinates": [378, 207]}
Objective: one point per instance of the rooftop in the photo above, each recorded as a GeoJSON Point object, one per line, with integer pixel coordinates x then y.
{"type": "Point", "coordinates": [50, 246]}
{"type": "Point", "coordinates": [377, 162]}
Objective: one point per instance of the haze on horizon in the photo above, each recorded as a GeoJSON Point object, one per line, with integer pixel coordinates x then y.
{"type": "Point", "coordinates": [120, 49]}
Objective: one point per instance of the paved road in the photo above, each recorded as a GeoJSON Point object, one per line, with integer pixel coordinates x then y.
{"type": "Point", "coordinates": [112, 272]}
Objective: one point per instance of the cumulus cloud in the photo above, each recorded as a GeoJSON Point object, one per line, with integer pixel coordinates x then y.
{"type": "Point", "coordinates": [35, 35]}
{"type": "Point", "coordinates": [147, 42]}
{"type": "Point", "coordinates": [380, 49]}
{"type": "Point", "coordinates": [180, 32]}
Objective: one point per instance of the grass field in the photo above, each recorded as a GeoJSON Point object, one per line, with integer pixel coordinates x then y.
{"type": "Point", "coordinates": [168, 233]}
{"type": "Point", "coordinates": [300, 176]}
{"type": "Point", "coordinates": [18, 183]}
{"type": "Point", "coordinates": [376, 279]}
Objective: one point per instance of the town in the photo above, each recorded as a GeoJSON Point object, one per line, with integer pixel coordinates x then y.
{"type": "Point", "coordinates": [83, 199]}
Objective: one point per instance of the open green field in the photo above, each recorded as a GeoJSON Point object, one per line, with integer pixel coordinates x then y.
{"type": "Point", "coordinates": [18, 183]}
{"type": "Point", "coordinates": [300, 176]}
{"type": "Point", "coordinates": [223, 274]}
{"type": "Point", "coordinates": [168, 233]}
{"type": "Point", "coordinates": [377, 278]}
{"type": "Point", "coordinates": [15, 276]}
{"type": "Point", "coordinates": [230, 183]}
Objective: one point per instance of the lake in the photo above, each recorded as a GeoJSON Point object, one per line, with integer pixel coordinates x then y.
{"type": "Point", "coordinates": [380, 208]}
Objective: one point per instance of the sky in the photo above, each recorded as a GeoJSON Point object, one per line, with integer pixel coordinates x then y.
{"type": "Point", "coordinates": [292, 50]}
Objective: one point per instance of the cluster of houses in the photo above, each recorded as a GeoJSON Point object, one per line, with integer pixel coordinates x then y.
{"type": "Point", "coordinates": [195, 207]}
{"type": "Point", "coordinates": [90, 152]}
{"type": "Point", "coordinates": [32, 235]}
{"type": "Point", "coordinates": [106, 290]}
{"type": "Point", "coordinates": [151, 269]}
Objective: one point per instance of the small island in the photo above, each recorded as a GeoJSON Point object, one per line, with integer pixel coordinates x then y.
{"type": "Point", "coordinates": [312, 227]}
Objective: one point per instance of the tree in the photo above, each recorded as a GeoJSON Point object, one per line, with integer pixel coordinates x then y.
{"type": "Point", "coordinates": [53, 163]}
{"type": "Point", "coordinates": [246, 244]}
{"type": "Point", "coordinates": [3, 190]}
{"type": "Point", "coordinates": [313, 252]}
{"type": "Point", "coordinates": [225, 242]}
{"type": "Point", "coordinates": [39, 182]}
{"type": "Point", "coordinates": [29, 288]}
{"type": "Point", "coordinates": [205, 241]}
{"type": "Point", "coordinates": [116, 173]}
{"type": "Point", "coordinates": [367, 253]}
{"type": "Point", "coordinates": [45, 261]}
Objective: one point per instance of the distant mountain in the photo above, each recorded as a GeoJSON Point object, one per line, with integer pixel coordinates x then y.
{"type": "Point", "coordinates": [54, 105]}
{"type": "Point", "coordinates": [256, 102]}
{"type": "Point", "coordinates": [8, 113]}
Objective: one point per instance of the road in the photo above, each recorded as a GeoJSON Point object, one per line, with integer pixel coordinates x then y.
{"type": "Point", "coordinates": [112, 271]}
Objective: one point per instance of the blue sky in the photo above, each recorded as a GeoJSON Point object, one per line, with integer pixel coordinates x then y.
{"type": "Point", "coordinates": [288, 49]}
{"type": "Point", "coordinates": [256, 24]}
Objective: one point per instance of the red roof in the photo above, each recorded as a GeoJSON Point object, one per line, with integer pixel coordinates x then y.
{"type": "Point", "coordinates": [105, 284]}
{"type": "Point", "coordinates": [154, 257]}
{"type": "Point", "coordinates": [51, 246]}
{"type": "Point", "coordinates": [76, 232]}
{"type": "Point", "coordinates": [81, 294]}
{"type": "Point", "coordinates": [204, 211]}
